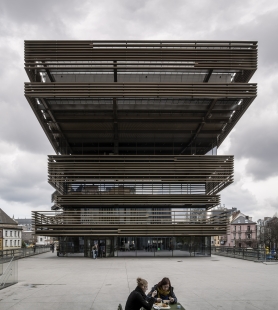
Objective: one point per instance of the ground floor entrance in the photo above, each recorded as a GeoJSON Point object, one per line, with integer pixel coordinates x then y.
{"type": "Point", "coordinates": [104, 246]}
{"type": "Point", "coordinates": [136, 246]}
{"type": "Point", "coordinates": [162, 246]}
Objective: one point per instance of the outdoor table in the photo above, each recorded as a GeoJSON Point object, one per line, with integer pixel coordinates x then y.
{"type": "Point", "coordinates": [174, 306]}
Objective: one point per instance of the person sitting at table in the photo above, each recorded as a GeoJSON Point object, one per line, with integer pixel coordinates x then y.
{"type": "Point", "coordinates": [138, 298]}
{"type": "Point", "coordinates": [165, 291]}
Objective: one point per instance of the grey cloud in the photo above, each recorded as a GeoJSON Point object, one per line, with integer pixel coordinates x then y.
{"type": "Point", "coordinates": [254, 137]}
{"type": "Point", "coordinates": [33, 195]}
{"type": "Point", "coordinates": [236, 197]}
{"type": "Point", "coordinates": [19, 126]}
{"type": "Point", "coordinates": [46, 16]}
{"type": "Point", "coordinates": [272, 205]}
{"type": "Point", "coordinates": [24, 178]}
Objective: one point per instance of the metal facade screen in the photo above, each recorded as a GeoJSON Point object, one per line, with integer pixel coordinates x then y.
{"type": "Point", "coordinates": [135, 126]}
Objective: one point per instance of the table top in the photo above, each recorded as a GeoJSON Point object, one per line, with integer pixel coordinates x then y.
{"type": "Point", "coordinates": [174, 306]}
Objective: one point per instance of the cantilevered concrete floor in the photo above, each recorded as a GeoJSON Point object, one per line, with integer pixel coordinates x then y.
{"type": "Point", "coordinates": [201, 283]}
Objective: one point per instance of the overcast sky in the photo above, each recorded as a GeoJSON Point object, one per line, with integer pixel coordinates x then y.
{"type": "Point", "coordinates": [254, 141]}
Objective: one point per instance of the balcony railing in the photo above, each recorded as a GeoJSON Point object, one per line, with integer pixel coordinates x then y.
{"type": "Point", "coordinates": [128, 56]}
{"type": "Point", "coordinates": [141, 175]}
{"type": "Point", "coordinates": [128, 222]}
{"type": "Point", "coordinates": [137, 200]}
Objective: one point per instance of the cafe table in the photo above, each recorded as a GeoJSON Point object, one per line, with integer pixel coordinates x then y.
{"type": "Point", "coordinates": [174, 306]}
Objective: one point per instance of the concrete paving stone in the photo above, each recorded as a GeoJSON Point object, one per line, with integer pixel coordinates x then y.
{"type": "Point", "coordinates": [245, 305]}
{"type": "Point", "coordinates": [105, 306]}
{"type": "Point", "coordinates": [260, 294]}
{"type": "Point", "coordinates": [200, 305]}
{"type": "Point", "coordinates": [7, 305]}
{"type": "Point", "coordinates": [88, 298]}
{"type": "Point", "coordinates": [51, 305]}
{"type": "Point", "coordinates": [50, 282]}
{"type": "Point", "coordinates": [265, 305]}
{"type": "Point", "coordinates": [114, 289]}
{"type": "Point", "coordinates": [107, 297]}
{"type": "Point", "coordinates": [16, 292]}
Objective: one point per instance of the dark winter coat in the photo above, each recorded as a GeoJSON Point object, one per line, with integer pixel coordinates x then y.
{"type": "Point", "coordinates": [172, 294]}
{"type": "Point", "coordinates": [138, 299]}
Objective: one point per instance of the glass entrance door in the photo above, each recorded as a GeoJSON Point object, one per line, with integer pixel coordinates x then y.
{"type": "Point", "coordinates": [127, 246]}
{"type": "Point", "coordinates": [109, 247]}
{"type": "Point", "coordinates": [104, 246]}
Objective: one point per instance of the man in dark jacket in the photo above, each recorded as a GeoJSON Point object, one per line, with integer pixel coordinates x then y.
{"type": "Point", "coordinates": [138, 298]}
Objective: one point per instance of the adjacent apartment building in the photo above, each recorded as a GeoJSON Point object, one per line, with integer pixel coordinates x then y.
{"type": "Point", "coordinates": [243, 232]}
{"type": "Point", "coordinates": [10, 233]}
{"type": "Point", "coordinates": [135, 127]}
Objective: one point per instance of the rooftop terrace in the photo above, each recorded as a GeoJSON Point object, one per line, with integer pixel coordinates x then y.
{"type": "Point", "coordinates": [50, 282]}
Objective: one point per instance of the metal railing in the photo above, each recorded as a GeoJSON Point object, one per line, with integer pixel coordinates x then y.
{"type": "Point", "coordinates": [242, 253]}
{"type": "Point", "coordinates": [10, 274]}
{"type": "Point", "coordinates": [5, 255]}
{"type": "Point", "coordinates": [125, 216]}
{"type": "Point", "coordinates": [129, 222]}
{"type": "Point", "coordinates": [91, 56]}
{"type": "Point", "coordinates": [182, 175]}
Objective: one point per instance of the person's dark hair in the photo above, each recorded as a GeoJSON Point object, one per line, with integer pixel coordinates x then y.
{"type": "Point", "coordinates": [164, 281]}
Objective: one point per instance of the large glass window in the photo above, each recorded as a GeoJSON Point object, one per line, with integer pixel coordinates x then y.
{"type": "Point", "coordinates": [127, 246]}
{"type": "Point", "coordinates": [162, 246]}
{"type": "Point", "coordinates": [105, 247]}
{"type": "Point", "coordinates": [143, 246]}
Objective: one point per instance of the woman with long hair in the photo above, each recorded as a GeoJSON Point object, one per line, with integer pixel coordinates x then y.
{"type": "Point", "coordinates": [165, 291]}
{"type": "Point", "coordinates": [138, 298]}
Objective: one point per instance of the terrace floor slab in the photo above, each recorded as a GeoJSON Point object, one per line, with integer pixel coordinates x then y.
{"type": "Point", "coordinates": [206, 283]}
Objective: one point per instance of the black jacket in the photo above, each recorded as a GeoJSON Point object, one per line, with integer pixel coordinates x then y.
{"type": "Point", "coordinates": [172, 294]}
{"type": "Point", "coordinates": [138, 299]}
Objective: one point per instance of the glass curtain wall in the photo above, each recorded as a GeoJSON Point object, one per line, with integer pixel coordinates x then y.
{"type": "Point", "coordinates": [162, 246]}
{"type": "Point", "coordinates": [105, 246]}
{"type": "Point", "coordinates": [132, 246]}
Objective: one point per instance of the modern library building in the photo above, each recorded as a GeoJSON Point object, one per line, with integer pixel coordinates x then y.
{"type": "Point", "coordinates": [135, 127]}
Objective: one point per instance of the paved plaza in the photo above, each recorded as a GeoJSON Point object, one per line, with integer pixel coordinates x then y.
{"type": "Point", "coordinates": [201, 283]}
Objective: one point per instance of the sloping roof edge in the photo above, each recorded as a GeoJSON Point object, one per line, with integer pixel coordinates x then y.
{"type": "Point", "coordinates": [5, 219]}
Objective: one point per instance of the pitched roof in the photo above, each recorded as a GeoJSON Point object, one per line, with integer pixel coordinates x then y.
{"type": "Point", "coordinates": [242, 220]}
{"type": "Point", "coordinates": [5, 219]}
